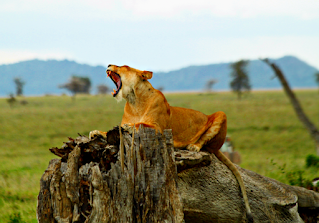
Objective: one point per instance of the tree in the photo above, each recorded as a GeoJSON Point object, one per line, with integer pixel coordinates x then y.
{"type": "Point", "coordinates": [11, 100]}
{"type": "Point", "coordinates": [102, 89]}
{"type": "Point", "coordinates": [240, 79]}
{"type": "Point", "coordinates": [210, 83]}
{"type": "Point", "coordinates": [295, 103]}
{"type": "Point", "coordinates": [19, 85]}
{"type": "Point", "coordinates": [160, 88]}
{"type": "Point", "coordinates": [87, 84]}
{"type": "Point", "coordinates": [317, 77]}
{"type": "Point", "coordinates": [78, 85]}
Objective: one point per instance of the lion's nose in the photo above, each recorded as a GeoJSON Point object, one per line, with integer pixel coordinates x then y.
{"type": "Point", "coordinates": [109, 65]}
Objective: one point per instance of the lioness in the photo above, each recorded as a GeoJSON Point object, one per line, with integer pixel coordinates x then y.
{"type": "Point", "coordinates": [148, 106]}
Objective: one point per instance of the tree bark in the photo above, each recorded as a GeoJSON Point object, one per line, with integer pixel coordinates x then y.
{"type": "Point", "coordinates": [296, 105]}
{"type": "Point", "coordinates": [89, 185]}
{"type": "Point", "coordinates": [159, 184]}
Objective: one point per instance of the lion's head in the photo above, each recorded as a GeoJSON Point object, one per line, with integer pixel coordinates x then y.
{"type": "Point", "coordinates": [126, 79]}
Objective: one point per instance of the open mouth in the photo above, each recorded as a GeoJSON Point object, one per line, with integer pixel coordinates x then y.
{"type": "Point", "coordinates": [117, 81]}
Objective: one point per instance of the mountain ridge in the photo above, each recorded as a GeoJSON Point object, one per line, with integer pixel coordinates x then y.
{"type": "Point", "coordinates": [44, 77]}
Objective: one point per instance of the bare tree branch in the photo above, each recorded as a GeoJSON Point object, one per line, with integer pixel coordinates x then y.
{"type": "Point", "coordinates": [295, 103]}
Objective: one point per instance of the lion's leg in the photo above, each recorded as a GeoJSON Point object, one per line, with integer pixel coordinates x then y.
{"type": "Point", "coordinates": [214, 136]}
{"type": "Point", "coordinates": [130, 126]}
{"type": "Point", "coordinates": [213, 140]}
{"type": "Point", "coordinates": [96, 133]}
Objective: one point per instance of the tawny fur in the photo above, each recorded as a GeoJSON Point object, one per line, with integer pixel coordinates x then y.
{"type": "Point", "coordinates": [191, 129]}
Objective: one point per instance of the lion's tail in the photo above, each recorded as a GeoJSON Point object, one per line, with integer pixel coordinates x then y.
{"type": "Point", "coordinates": [235, 171]}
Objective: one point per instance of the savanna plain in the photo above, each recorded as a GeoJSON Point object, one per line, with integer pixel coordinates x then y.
{"type": "Point", "coordinates": [263, 126]}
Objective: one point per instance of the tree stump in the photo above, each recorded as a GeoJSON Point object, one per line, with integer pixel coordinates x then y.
{"type": "Point", "coordinates": [157, 184]}
{"type": "Point", "coordinates": [89, 185]}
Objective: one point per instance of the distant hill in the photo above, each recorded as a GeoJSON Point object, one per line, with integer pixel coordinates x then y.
{"type": "Point", "coordinates": [43, 77]}
{"type": "Point", "coordinates": [298, 73]}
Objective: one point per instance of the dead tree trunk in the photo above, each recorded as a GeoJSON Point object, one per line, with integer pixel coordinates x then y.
{"type": "Point", "coordinates": [295, 103]}
{"type": "Point", "coordinates": [159, 184]}
{"type": "Point", "coordinates": [88, 185]}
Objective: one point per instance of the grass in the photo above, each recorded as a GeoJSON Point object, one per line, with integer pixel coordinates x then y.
{"type": "Point", "coordinates": [263, 127]}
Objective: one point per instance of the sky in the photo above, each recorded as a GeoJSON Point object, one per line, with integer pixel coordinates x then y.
{"type": "Point", "coordinates": [158, 35]}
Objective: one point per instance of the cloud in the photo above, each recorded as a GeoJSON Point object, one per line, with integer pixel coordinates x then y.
{"type": "Point", "coordinates": [232, 49]}
{"type": "Point", "coordinates": [205, 50]}
{"type": "Point", "coordinates": [158, 34]}
{"type": "Point", "coordinates": [9, 56]}
{"type": "Point", "coordinates": [225, 8]}
{"type": "Point", "coordinates": [165, 9]}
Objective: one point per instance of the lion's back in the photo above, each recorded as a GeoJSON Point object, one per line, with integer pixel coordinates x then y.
{"type": "Point", "coordinates": [186, 124]}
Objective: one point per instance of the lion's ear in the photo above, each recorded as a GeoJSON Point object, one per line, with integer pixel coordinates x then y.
{"type": "Point", "coordinates": [146, 75]}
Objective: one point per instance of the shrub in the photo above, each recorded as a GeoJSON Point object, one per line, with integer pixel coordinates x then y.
{"type": "Point", "coordinates": [15, 218]}
{"type": "Point", "coordinates": [296, 178]}
{"type": "Point", "coordinates": [312, 160]}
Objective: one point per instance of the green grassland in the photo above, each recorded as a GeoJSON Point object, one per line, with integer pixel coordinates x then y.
{"type": "Point", "coordinates": [263, 127]}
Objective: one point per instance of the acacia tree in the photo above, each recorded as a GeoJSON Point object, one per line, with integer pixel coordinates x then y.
{"type": "Point", "coordinates": [210, 83]}
{"type": "Point", "coordinates": [314, 132]}
{"type": "Point", "coordinates": [77, 85]}
{"type": "Point", "coordinates": [19, 85]}
{"type": "Point", "coordinates": [102, 89]}
{"type": "Point", "coordinates": [240, 80]}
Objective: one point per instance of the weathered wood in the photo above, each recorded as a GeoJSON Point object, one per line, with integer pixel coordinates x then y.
{"type": "Point", "coordinates": [80, 190]}
{"type": "Point", "coordinates": [313, 130]}
{"type": "Point", "coordinates": [211, 194]}
{"type": "Point", "coordinates": [88, 185]}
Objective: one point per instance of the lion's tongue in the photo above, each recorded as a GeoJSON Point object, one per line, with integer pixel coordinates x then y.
{"type": "Point", "coordinates": [117, 80]}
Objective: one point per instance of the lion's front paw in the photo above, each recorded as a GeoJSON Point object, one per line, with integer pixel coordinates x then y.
{"type": "Point", "coordinates": [127, 127]}
{"type": "Point", "coordinates": [193, 147]}
{"type": "Point", "coordinates": [96, 133]}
